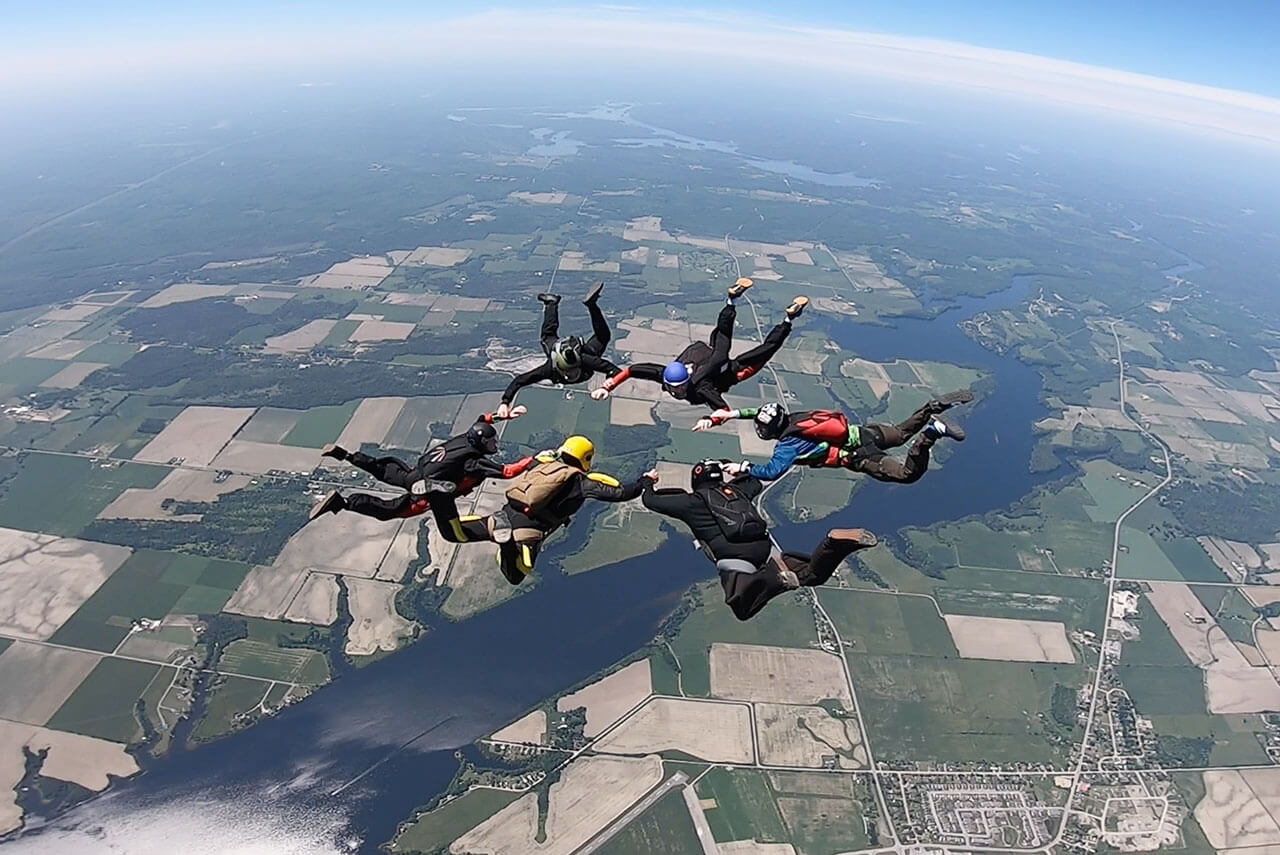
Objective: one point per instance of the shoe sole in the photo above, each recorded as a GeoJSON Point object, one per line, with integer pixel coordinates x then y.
{"type": "Point", "coordinates": [322, 507]}
{"type": "Point", "coordinates": [956, 433]}
{"type": "Point", "coordinates": [737, 289]}
{"type": "Point", "coordinates": [328, 451]}
{"type": "Point", "coordinates": [797, 306]}
{"type": "Point", "coordinates": [963, 396]}
{"type": "Point", "coordinates": [593, 294]}
{"type": "Point", "coordinates": [860, 536]}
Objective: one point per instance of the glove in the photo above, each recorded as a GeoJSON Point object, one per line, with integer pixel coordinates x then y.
{"type": "Point", "coordinates": [504, 411]}
{"type": "Point", "coordinates": [704, 423]}
{"type": "Point", "coordinates": [599, 394]}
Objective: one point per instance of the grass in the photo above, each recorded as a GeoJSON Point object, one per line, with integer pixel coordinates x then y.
{"type": "Point", "coordinates": [230, 697]}
{"type": "Point", "coordinates": [61, 495]}
{"type": "Point", "coordinates": [664, 829]}
{"type": "Point", "coordinates": [689, 447]}
{"type": "Point", "coordinates": [1235, 740]}
{"type": "Point", "coordinates": [201, 600]}
{"type": "Point", "coordinates": [823, 825]}
{"type": "Point", "coordinates": [120, 425]}
{"type": "Point", "coordinates": [612, 541]}
{"type": "Point", "coordinates": [432, 831]}
{"type": "Point", "coordinates": [959, 710]}
{"type": "Point", "coordinates": [4, 644]}
{"type": "Point", "coordinates": [269, 424]}
{"type": "Point", "coordinates": [788, 623]}
{"type": "Point", "coordinates": [884, 623]}
{"type": "Point", "coordinates": [818, 494]}
{"type": "Point", "coordinates": [114, 353]}
{"type": "Point", "coordinates": [1077, 602]}
{"type": "Point", "coordinates": [1141, 558]}
{"type": "Point", "coordinates": [744, 808]}
{"type": "Point", "coordinates": [1191, 561]}
{"type": "Point", "coordinates": [338, 336]}
{"type": "Point", "coordinates": [1111, 496]}
{"type": "Point", "coordinates": [25, 372]}
{"type": "Point", "coordinates": [1169, 690]}
{"type": "Point", "coordinates": [320, 425]}
{"type": "Point", "coordinates": [412, 428]}
{"type": "Point", "coordinates": [102, 705]}
{"type": "Point", "coordinates": [260, 659]}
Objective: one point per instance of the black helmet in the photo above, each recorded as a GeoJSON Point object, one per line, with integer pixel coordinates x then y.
{"type": "Point", "coordinates": [483, 438]}
{"type": "Point", "coordinates": [771, 421]}
{"type": "Point", "coordinates": [707, 472]}
{"type": "Point", "coordinates": [566, 354]}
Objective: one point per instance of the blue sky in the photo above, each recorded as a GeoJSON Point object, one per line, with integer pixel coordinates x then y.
{"type": "Point", "coordinates": [1230, 43]}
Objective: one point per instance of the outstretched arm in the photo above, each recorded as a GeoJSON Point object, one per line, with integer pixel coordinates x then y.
{"type": "Point", "coordinates": [606, 489]}
{"type": "Point", "coordinates": [785, 453]}
{"type": "Point", "coordinates": [719, 417]}
{"type": "Point", "coordinates": [601, 365]}
{"type": "Point", "coordinates": [542, 372]}
{"type": "Point", "coordinates": [487, 468]}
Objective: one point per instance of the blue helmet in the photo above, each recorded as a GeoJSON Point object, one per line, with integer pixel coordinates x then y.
{"type": "Point", "coordinates": [675, 374]}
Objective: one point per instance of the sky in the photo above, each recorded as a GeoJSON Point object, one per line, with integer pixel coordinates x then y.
{"type": "Point", "coordinates": [1123, 57]}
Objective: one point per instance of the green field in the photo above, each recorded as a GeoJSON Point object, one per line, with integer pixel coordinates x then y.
{"type": "Point", "coordinates": [885, 623]}
{"type": "Point", "coordinates": [787, 623]}
{"type": "Point", "coordinates": [58, 494]}
{"type": "Point", "coordinates": [959, 710]}
{"type": "Point", "coordinates": [744, 808]}
{"type": "Point", "coordinates": [320, 425]}
{"type": "Point", "coordinates": [102, 705]}
{"type": "Point", "coordinates": [114, 353]}
{"type": "Point", "coordinates": [611, 542]}
{"type": "Point", "coordinates": [4, 643]}
{"type": "Point", "coordinates": [269, 424]}
{"type": "Point", "coordinates": [433, 832]}
{"type": "Point", "coordinates": [1191, 561]}
{"type": "Point", "coordinates": [1077, 602]}
{"type": "Point", "coordinates": [664, 829]}
{"type": "Point", "coordinates": [412, 428]}
{"type": "Point", "coordinates": [816, 494]}
{"type": "Point", "coordinates": [1142, 558]}
{"type": "Point", "coordinates": [229, 697]}
{"type": "Point", "coordinates": [25, 372]}
{"type": "Point", "coordinates": [262, 659]}
{"type": "Point", "coordinates": [119, 425]}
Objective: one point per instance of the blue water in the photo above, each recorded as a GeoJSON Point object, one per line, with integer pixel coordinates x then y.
{"type": "Point", "coordinates": [399, 721]}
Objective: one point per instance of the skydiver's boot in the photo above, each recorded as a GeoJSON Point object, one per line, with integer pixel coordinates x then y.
{"type": "Point", "coordinates": [593, 294]}
{"type": "Point", "coordinates": [330, 504]}
{"type": "Point", "coordinates": [337, 452]}
{"type": "Point", "coordinates": [938, 428]}
{"type": "Point", "coordinates": [949, 400]}
{"type": "Point", "coordinates": [423, 486]}
{"type": "Point", "coordinates": [549, 298]}
{"type": "Point", "coordinates": [860, 538]}
{"type": "Point", "coordinates": [737, 289]}
{"type": "Point", "coordinates": [796, 307]}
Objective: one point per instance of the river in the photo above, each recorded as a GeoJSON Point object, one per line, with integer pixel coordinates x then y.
{"type": "Point", "coordinates": [284, 785]}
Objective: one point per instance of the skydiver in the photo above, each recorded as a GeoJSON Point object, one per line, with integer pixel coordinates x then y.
{"type": "Point", "coordinates": [821, 438]}
{"type": "Point", "coordinates": [443, 473]}
{"type": "Point", "coordinates": [703, 372]}
{"type": "Point", "coordinates": [544, 498]}
{"type": "Point", "coordinates": [727, 527]}
{"type": "Point", "coordinates": [569, 360]}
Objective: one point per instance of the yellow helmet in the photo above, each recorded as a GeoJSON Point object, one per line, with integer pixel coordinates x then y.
{"type": "Point", "coordinates": [579, 450]}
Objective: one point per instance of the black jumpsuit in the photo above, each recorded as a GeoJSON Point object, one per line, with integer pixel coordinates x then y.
{"type": "Point", "coordinates": [747, 593]}
{"type": "Point", "coordinates": [592, 353]}
{"type": "Point", "coordinates": [455, 461]}
{"type": "Point", "coordinates": [714, 372]}
{"type": "Point", "coordinates": [870, 458]}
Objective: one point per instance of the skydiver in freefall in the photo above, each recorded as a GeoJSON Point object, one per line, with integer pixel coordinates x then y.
{"type": "Point", "coordinates": [826, 438]}
{"type": "Point", "coordinates": [444, 472]}
{"type": "Point", "coordinates": [703, 372]}
{"type": "Point", "coordinates": [569, 360]}
{"type": "Point", "coordinates": [727, 527]}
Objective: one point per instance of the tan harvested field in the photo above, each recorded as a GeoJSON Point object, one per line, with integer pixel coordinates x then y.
{"type": "Point", "coordinates": [668, 260]}
{"type": "Point", "coordinates": [371, 421]}
{"type": "Point", "coordinates": [196, 436]}
{"type": "Point", "coordinates": [358, 273]}
{"type": "Point", "coordinates": [144, 645]}
{"type": "Point", "coordinates": [752, 672]}
{"type": "Point", "coordinates": [1250, 653]}
{"type": "Point", "coordinates": [402, 298]}
{"type": "Point", "coordinates": [751, 847]}
{"type": "Point", "coordinates": [74, 312]}
{"type": "Point", "coordinates": [268, 592]}
{"type": "Point", "coordinates": [381, 331]}
{"type": "Point", "coordinates": [29, 338]}
{"type": "Point", "coordinates": [67, 348]}
{"type": "Point", "coordinates": [625, 411]}
{"type": "Point", "coordinates": [302, 339]}
{"type": "Point", "coordinates": [259, 458]}
{"type": "Point", "coordinates": [1102, 418]}
{"type": "Point", "coordinates": [402, 552]}
{"type": "Point", "coordinates": [437, 256]}
{"type": "Point", "coordinates": [1269, 644]}
{"type": "Point", "coordinates": [316, 601]}
{"type": "Point", "coordinates": [784, 741]}
{"type": "Point", "coordinates": [610, 698]}
{"type": "Point", "coordinates": [1271, 550]}
{"type": "Point", "coordinates": [572, 260]}
{"type": "Point", "coordinates": [671, 474]}
{"type": "Point", "coordinates": [187, 485]}
{"type": "Point", "coordinates": [447, 303]}
{"type": "Point", "coordinates": [592, 792]}
{"type": "Point", "coordinates": [531, 728]}
{"type": "Point", "coordinates": [184, 293]}
{"type": "Point", "coordinates": [73, 375]}
{"type": "Point", "coordinates": [748, 443]}
{"type": "Point", "coordinates": [1261, 595]}
{"type": "Point", "coordinates": [78, 759]}
{"type": "Point", "coordinates": [1232, 685]}
{"type": "Point", "coordinates": [37, 679]}
{"type": "Point", "coordinates": [717, 732]}
{"type": "Point", "coordinates": [555, 198]}
{"type": "Point", "coordinates": [348, 544]}
{"type": "Point", "coordinates": [44, 579]}
{"type": "Point", "coordinates": [639, 255]}
{"type": "Point", "coordinates": [375, 625]}
{"type": "Point", "coordinates": [1232, 815]}
{"type": "Point", "coordinates": [1010, 640]}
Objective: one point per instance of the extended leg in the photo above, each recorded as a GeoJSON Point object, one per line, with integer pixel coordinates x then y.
{"type": "Point", "coordinates": [722, 336]}
{"type": "Point", "coordinates": [388, 470]}
{"type": "Point", "coordinates": [838, 545]}
{"type": "Point", "coordinates": [444, 508]}
{"type": "Point", "coordinates": [550, 333]}
{"type": "Point", "coordinates": [747, 593]}
{"type": "Point", "coordinates": [516, 560]}
{"type": "Point", "coordinates": [600, 332]}
{"type": "Point", "coordinates": [882, 467]}
{"type": "Point", "coordinates": [748, 363]}
{"type": "Point", "coordinates": [892, 436]}
{"type": "Point", "coordinates": [384, 509]}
